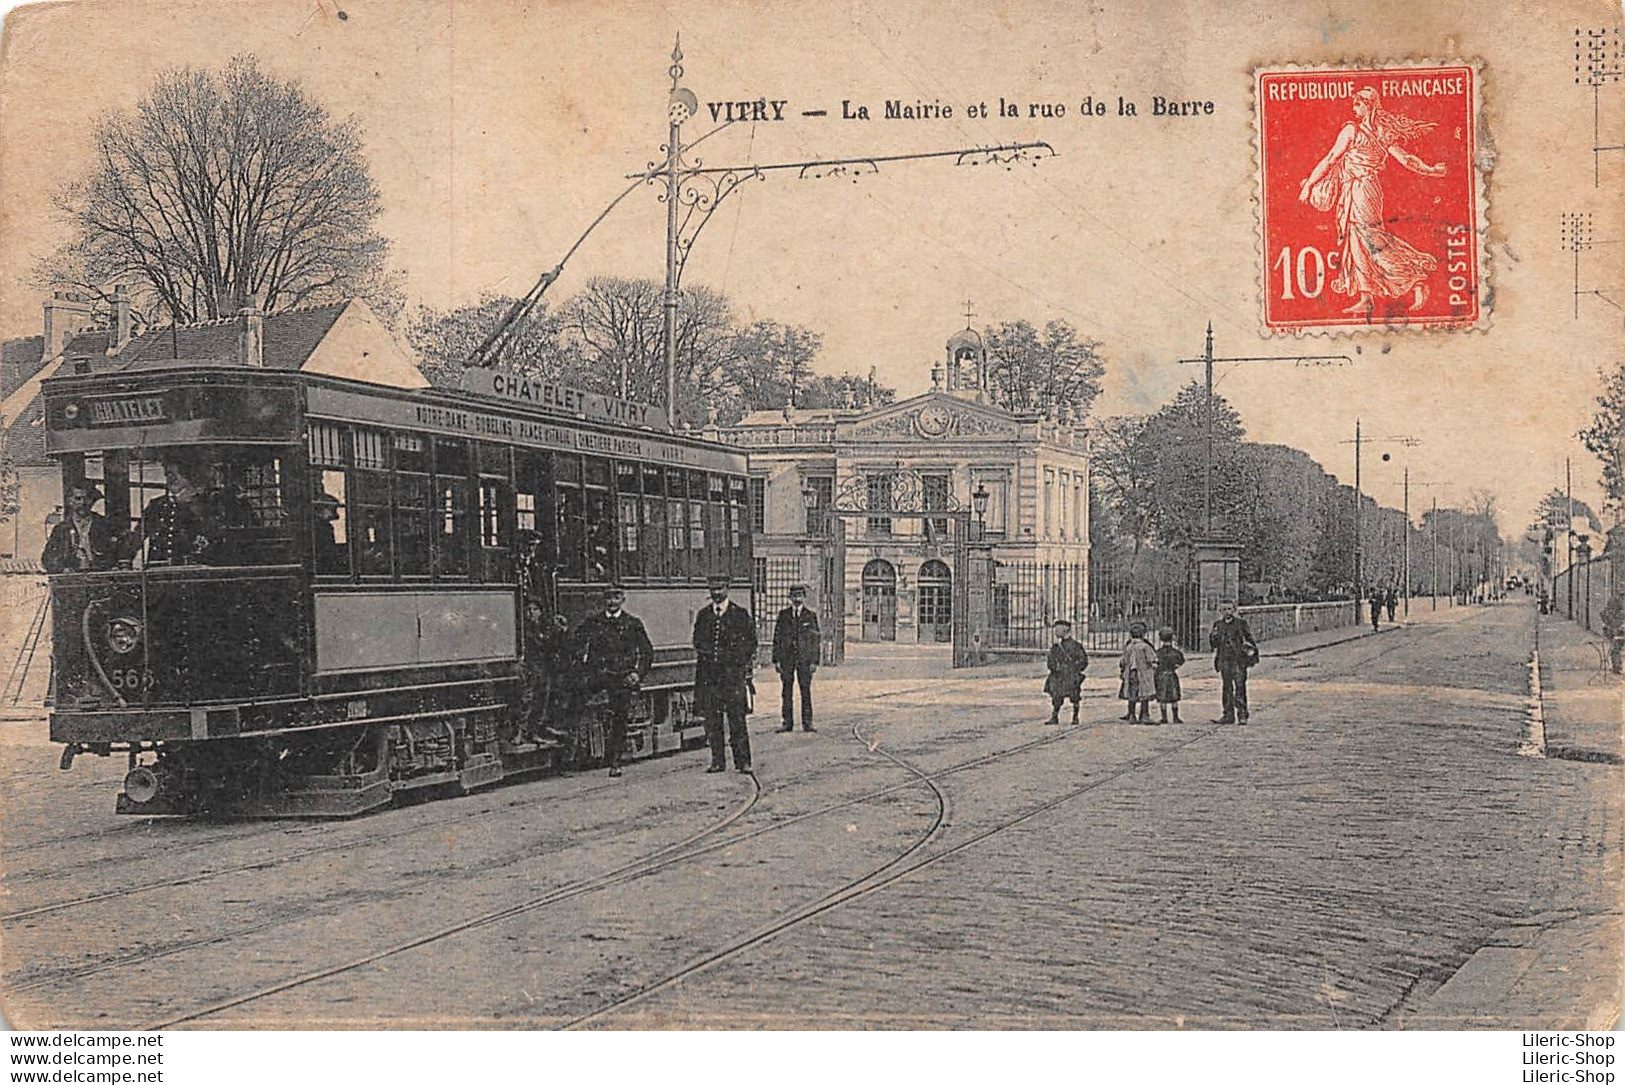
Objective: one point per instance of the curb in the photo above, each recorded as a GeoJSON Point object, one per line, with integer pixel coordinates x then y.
{"type": "Point", "coordinates": [1331, 643]}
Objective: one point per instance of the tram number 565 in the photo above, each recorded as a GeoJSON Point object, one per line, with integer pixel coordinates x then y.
{"type": "Point", "coordinates": [137, 679]}
{"type": "Point", "coordinates": [1308, 271]}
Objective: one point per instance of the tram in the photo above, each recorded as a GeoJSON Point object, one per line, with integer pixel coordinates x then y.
{"type": "Point", "coordinates": [338, 617]}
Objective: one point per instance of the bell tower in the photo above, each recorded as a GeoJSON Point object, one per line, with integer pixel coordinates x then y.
{"type": "Point", "coordinates": [966, 360]}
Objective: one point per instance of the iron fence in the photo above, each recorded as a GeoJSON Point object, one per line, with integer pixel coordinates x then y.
{"type": "Point", "coordinates": [1581, 591]}
{"type": "Point", "coordinates": [1028, 597]}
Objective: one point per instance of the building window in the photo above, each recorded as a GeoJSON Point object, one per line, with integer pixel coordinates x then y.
{"type": "Point", "coordinates": [823, 491]}
{"type": "Point", "coordinates": [934, 492]}
{"type": "Point", "coordinates": [879, 493]}
{"type": "Point", "coordinates": [758, 505]}
{"type": "Point", "coordinates": [1049, 501]}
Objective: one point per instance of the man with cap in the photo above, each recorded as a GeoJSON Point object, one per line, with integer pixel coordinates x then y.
{"type": "Point", "coordinates": [1234, 650]}
{"type": "Point", "coordinates": [82, 542]}
{"type": "Point", "coordinates": [795, 654]}
{"type": "Point", "coordinates": [616, 656]}
{"type": "Point", "coordinates": [725, 640]}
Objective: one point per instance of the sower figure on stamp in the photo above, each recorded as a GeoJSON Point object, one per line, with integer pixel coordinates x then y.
{"type": "Point", "coordinates": [617, 655]}
{"type": "Point", "coordinates": [1067, 662]}
{"type": "Point", "coordinates": [796, 644]}
{"type": "Point", "coordinates": [725, 640]}
{"type": "Point", "coordinates": [1234, 650]}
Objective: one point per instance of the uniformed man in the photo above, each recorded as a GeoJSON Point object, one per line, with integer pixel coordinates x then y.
{"type": "Point", "coordinates": [616, 655]}
{"type": "Point", "coordinates": [546, 659]}
{"type": "Point", "coordinates": [725, 640]}
{"type": "Point", "coordinates": [83, 541]}
{"type": "Point", "coordinates": [796, 643]}
{"type": "Point", "coordinates": [1234, 650]}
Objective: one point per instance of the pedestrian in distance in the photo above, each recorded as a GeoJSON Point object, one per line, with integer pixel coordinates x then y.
{"type": "Point", "coordinates": [1376, 608]}
{"type": "Point", "coordinates": [1169, 660]}
{"type": "Point", "coordinates": [1234, 651]}
{"type": "Point", "coordinates": [83, 542]}
{"type": "Point", "coordinates": [1067, 662]}
{"type": "Point", "coordinates": [616, 656]}
{"type": "Point", "coordinates": [1391, 604]}
{"type": "Point", "coordinates": [796, 644]}
{"type": "Point", "coordinates": [1138, 668]}
{"type": "Point", "coordinates": [725, 643]}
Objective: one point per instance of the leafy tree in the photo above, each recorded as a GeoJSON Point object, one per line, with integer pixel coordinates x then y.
{"type": "Point", "coordinates": [221, 187]}
{"type": "Point", "coordinates": [1176, 436]}
{"type": "Point", "coordinates": [1124, 485]}
{"type": "Point", "coordinates": [1553, 511]}
{"type": "Point", "coordinates": [1049, 372]}
{"type": "Point", "coordinates": [771, 365]}
{"type": "Point", "coordinates": [1605, 438]}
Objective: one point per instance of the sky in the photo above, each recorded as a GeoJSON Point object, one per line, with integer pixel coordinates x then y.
{"type": "Point", "coordinates": [497, 131]}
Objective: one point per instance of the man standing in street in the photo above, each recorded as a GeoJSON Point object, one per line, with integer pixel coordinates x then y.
{"type": "Point", "coordinates": [617, 655]}
{"type": "Point", "coordinates": [725, 640]}
{"type": "Point", "coordinates": [1234, 650]}
{"type": "Point", "coordinates": [796, 642]}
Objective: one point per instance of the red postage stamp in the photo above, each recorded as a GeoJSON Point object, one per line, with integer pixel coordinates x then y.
{"type": "Point", "coordinates": [1369, 198]}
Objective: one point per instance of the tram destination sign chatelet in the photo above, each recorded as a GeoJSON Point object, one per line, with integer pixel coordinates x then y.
{"type": "Point", "coordinates": [560, 398]}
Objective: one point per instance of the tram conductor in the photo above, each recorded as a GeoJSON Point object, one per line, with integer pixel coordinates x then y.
{"type": "Point", "coordinates": [725, 641]}
{"type": "Point", "coordinates": [617, 655]}
{"type": "Point", "coordinates": [796, 643]}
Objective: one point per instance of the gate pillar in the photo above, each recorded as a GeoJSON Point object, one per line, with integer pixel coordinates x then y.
{"type": "Point", "coordinates": [1218, 578]}
{"type": "Point", "coordinates": [973, 603]}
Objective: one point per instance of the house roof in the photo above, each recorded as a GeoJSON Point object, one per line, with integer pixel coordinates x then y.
{"type": "Point", "coordinates": [289, 338]}
{"type": "Point", "coordinates": [19, 360]}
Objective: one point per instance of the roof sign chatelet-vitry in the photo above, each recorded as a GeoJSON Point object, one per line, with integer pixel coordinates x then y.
{"type": "Point", "coordinates": [558, 398]}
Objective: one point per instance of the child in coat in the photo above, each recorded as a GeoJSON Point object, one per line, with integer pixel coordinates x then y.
{"type": "Point", "coordinates": [1169, 660]}
{"type": "Point", "coordinates": [1067, 662]}
{"type": "Point", "coordinates": [1138, 667]}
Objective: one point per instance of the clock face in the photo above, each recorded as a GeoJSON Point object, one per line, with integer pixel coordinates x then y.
{"type": "Point", "coordinates": [934, 420]}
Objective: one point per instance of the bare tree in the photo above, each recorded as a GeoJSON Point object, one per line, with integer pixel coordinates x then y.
{"type": "Point", "coordinates": [1043, 372]}
{"type": "Point", "coordinates": [222, 187]}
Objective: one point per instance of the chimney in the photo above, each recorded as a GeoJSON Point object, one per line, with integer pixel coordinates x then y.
{"type": "Point", "coordinates": [123, 323]}
{"type": "Point", "coordinates": [251, 337]}
{"type": "Point", "coordinates": [65, 316]}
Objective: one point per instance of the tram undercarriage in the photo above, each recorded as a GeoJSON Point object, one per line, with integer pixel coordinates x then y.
{"type": "Point", "coordinates": [348, 770]}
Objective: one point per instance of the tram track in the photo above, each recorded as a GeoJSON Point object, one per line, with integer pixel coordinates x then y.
{"type": "Point", "coordinates": [890, 873]}
{"type": "Point", "coordinates": [662, 859]}
{"type": "Point", "coordinates": [270, 862]}
{"type": "Point", "coordinates": [649, 865]}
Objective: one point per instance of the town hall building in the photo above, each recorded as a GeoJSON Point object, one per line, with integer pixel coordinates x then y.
{"type": "Point", "coordinates": [1017, 483]}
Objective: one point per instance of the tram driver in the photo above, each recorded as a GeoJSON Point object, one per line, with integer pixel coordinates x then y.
{"type": "Point", "coordinates": [188, 524]}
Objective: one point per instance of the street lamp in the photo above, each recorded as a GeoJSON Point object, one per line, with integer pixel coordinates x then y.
{"type": "Point", "coordinates": [978, 501]}
{"type": "Point", "coordinates": [1584, 544]}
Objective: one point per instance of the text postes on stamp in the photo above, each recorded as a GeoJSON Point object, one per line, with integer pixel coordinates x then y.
{"type": "Point", "coordinates": [1368, 194]}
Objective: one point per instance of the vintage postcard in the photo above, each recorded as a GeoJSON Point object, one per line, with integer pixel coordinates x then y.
{"type": "Point", "coordinates": [1008, 515]}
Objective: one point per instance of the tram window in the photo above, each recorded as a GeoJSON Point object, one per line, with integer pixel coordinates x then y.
{"type": "Point", "coordinates": [493, 460]}
{"type": "Point", "coordinates": [600, 517]}
{"type": "Point", "coordinates": [496, 531]}
{"type": "Point", "coordinates": [626, 517]}
{"type": "Point", "coordinates": [451, 527]}
{"type": "Point", "coordinates": [371, 449]}
{"type": "Point", "coordinates": [572, 531]}
{"type": "Point", "coordinates": [414, 515]}
{"type": "Point", "coordinates": [566, 468]}
{"type": "Point", "coordinates": [324, 444]}
{"type": "Point", "coordinates": [597, 470]}
{"type": "Point", "coordinates": [451, 457]}
{"type": "Point", "coordinates": [654, 536]}
{"type": "Point", "coordinates": [676, 537]}
{"type": "Point", "coordinates": [533, 488]}
{"type": "Point", "coordinates": [696, 534]}
{"type": "Point", "coordinates": [411, 453]}
{"type": "Point", "coordinates": [369, 522]}
{"type": "Point", "coordinates": [330, 541]}
{"type": "Point", "coordinates": [491, 533]}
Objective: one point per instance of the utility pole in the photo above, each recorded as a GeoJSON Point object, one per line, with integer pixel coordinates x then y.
{"type": "Point", "coordinates": [1435, 562]}
{"type": "Point", "coordinates": [692, 194]}
{"type": "Point", "coordinates": [1359, 540]}
{"type": "Point", "coordinates": [1207, 360]}
{"type": "Point", "coordinates": [1407, 540]}
{"type": "Point", "coordinates": [1568, 531]}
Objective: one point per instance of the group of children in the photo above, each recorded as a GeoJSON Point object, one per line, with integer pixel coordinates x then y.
{"type": "Point", "coordinates": [1147, 673]}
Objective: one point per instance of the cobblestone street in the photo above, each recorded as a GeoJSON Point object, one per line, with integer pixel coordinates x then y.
{"type": "Point", "coordinates": [1364, 854]}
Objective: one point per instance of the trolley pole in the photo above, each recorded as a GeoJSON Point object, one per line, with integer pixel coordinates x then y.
{"type": "Point", "coordinates": [1359, 590]}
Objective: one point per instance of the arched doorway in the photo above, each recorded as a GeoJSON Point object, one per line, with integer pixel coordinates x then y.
{"type": "Point", "coordinates": [936, 603]}
{"type": "Point", "coordinates": [879, 600]}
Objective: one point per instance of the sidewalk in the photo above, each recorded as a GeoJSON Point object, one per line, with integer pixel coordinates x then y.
{"type": "Point", "coordinates": [1421, 614]}
{"type": "Point", "coordinates": [1536, 968]}
{"type": "Point", "coordinates": [1582, 700]}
